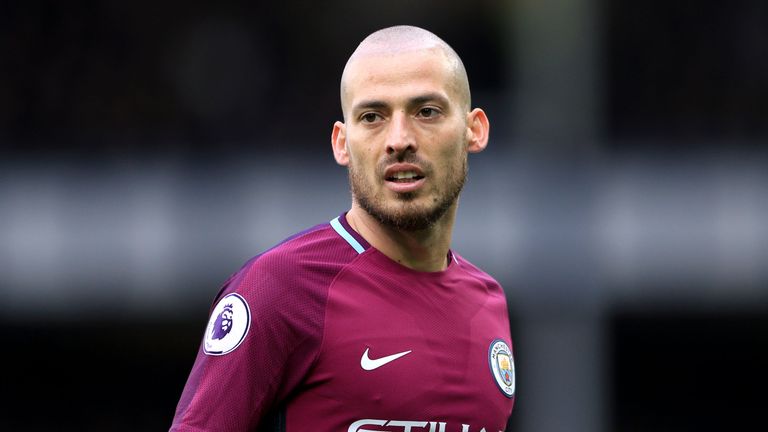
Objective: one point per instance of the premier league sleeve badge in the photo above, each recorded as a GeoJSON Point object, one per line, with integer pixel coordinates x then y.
{"type": "Point", "coordinates": [228, 325]}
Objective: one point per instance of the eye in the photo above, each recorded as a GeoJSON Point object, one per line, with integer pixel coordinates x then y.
{"type": "Point", "coordinates": [369, 117]}
{"type": "Point", "coordinates": [428, 112]}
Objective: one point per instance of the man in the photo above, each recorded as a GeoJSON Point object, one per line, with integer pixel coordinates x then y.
{"type": "Point", "coordinates": [370, 322]}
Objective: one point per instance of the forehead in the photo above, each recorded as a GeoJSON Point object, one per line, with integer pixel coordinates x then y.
{"type": "Point", "coordinates": [388, 76]}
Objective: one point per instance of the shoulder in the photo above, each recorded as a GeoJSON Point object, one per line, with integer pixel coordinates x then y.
{"type": "Point", "coordinates": [494, 296]}
{"type": "Point", "coordinates": [474, 272]}
{"type": "Point", "coordinates": [301, 264]}
{"type": "Point", "coordinates": [285, 289]}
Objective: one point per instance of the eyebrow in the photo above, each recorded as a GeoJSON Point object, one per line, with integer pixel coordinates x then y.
{"type": "Point", "coordinates": [414, 101]}
{"type": "Point", "coordinates": [429, 97]}
{"type": "Point", "coordinates": [370, 104]}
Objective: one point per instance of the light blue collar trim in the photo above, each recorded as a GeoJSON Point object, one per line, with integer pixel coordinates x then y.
{"type": "Point", "coordinates": [346, 236]}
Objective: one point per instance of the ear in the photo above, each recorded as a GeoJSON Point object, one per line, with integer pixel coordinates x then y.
{"type": "Point", "coordinates": [478, 128]}
{"type": "Point", "coordinates": [339, 143]}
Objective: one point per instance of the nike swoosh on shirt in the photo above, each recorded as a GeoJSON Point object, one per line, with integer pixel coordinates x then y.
{"type": "Point", "coordinates": [370, 364]}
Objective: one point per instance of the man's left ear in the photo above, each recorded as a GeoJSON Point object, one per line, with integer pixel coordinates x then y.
{"type": "Point", "coordinates": [478, 128]}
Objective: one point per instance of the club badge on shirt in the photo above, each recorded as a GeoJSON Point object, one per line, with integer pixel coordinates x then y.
{"type": "Point", "coordinates": [228, 325]}
{"type": "Point", "coordinates": [502, 365]}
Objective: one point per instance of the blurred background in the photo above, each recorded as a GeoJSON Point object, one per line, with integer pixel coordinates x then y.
{"type": "Point", "coordinates": [148, 149]}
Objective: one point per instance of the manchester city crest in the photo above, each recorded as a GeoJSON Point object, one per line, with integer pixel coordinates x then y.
{"type": "Point", "coordinates": [228, 325]}
{"type": "Point", "coordinates": [502, 365]}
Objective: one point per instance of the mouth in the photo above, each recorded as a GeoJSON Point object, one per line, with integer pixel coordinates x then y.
{"type": "Point", "coordinates": [404, 177]}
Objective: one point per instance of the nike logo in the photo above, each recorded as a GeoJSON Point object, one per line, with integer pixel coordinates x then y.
{"type": "Point", "coordinates": [370, 364]}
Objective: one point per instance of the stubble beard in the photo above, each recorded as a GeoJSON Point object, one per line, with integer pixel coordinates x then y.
{"type": "Point", "coordinates": [405, 213]}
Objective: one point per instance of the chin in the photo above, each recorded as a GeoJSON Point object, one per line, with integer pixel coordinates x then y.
{"type": "Point", "coordinates": [408, 216]}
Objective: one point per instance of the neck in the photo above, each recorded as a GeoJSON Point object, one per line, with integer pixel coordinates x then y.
{"type": "Point", "coordinates": [423, 250]}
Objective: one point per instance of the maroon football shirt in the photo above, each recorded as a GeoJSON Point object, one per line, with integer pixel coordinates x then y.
{"type": "Point", "coordinates": [326, 333]}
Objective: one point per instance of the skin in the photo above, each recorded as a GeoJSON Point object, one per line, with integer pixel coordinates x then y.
{"type": "Point", "coordinates": [406, 108]}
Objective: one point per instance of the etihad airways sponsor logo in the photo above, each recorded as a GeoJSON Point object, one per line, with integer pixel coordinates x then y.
{"type": "Point", "coordinates": [408, 426]}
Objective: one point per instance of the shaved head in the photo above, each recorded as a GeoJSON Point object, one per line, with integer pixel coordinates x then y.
{"type": "Point", "coordinates": [407, 131]}
{"type": "Point", "coordinates": [392, 41]}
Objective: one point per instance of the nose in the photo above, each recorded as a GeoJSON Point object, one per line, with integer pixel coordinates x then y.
{"type": "Point", "coordinates": [400, 136]}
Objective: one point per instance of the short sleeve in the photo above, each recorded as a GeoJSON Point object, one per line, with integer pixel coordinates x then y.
{"type": "Point", "coordinates": [263, 334]}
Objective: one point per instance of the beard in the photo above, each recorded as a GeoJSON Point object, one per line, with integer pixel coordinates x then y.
{"type": "Point", "coordinates": [404, 212]}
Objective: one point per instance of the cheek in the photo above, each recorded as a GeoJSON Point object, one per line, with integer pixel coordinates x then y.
{"type": "Point", "coordinates": [452, 134]}
{"type": "Point", "coordinates": [361, 157]}
{"type": "Point", "coordinates": [453, 148]}
{"type": "Point", "coordinates": [453, 159]}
